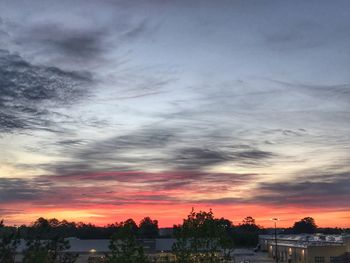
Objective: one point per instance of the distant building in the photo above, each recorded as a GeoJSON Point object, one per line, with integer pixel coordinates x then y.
{"type": "Point", "coordinates": [166, 232]}
{"type": "Point", "coordinates": [307, 248]}
{"type": "Point", "coordinates": [94, 250]}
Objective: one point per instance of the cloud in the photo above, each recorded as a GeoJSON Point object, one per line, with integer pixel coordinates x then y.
{"type": "Point", "coordinates": [160, 148]}
{"type": "Point", "coordinates": [186, 187]}
{"type": "Point", "coordinates": [16, 189]}
{"type": "Point", "coordinates": [197, 158]}
{"type": "Point", "coordinates": [70, 38]}
{"type": "Point", "coordinates": [339, 93]}
{"type": "Point", "coordinates": [331, 191]}
{"type": "Point", "coordinates": [167, 180]}
{"type": "Point", "coordinates": [328, 190]}
{"type": "Point", "coordinates": [116, 188]}
{"type": "Point", "coordinates": [29, 93]}
{"type": "Point", "coordinates": [80, 44]}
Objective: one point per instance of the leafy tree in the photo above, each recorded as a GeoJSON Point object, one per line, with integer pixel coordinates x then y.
{"type": "Point", "coordinates": [305, 225]}
{"type": "Point", "coordinates": [130, 225]}
{"type": "Point", "coordinates": [148, 228]}
{"type": "Point", "coordinates": [201, 238]}
{"type": "Point", "coordinates": [123, 245]}
{"type": "Point", "coordinates": [8, 244]}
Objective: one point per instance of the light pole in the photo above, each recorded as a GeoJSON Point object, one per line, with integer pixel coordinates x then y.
{"type": "Point", "coordinates": [276, 256]}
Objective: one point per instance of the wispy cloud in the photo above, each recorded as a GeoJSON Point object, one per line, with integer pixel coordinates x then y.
{"type": "Point", "coordinates": [27, 91]}
{"type": "Point", "coordinates": [118, 103]}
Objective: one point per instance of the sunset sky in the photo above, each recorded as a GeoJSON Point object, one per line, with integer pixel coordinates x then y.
{"type": "Point", "coordinates": [119, 109]}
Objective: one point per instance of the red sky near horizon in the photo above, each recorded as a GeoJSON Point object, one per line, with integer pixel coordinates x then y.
{"type": "Point", "coordinates": [119, 109]}
{"type": "Point", "coordinates": [112, 197]}
{"type": "Point", "coordinates": [167, 215]}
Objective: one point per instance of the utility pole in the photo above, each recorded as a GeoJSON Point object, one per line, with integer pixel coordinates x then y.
{"type": "Point", "coordinates": [276, 251]}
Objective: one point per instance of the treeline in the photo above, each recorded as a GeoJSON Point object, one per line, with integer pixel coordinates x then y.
{"type": "Point", "coordinates": [201, 237]}
{"type": "Point", "coordinates": [244, 234]}
{"type": "Point", "coordinates": [48, 228]}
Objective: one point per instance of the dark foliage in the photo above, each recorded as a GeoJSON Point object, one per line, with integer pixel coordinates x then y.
{"type": "Point", "coordinates": [8, 243]}
{"type": "Point", "coordinates": [148, 228]}
{"type": "Point", "coordinates": [201, 237]}
{"type": "Point", "coordinates": [247, 233]}
{"type": "Point", "coordinates": [123, 245]}
{"type": "Point", "coordinates": [306, 225]}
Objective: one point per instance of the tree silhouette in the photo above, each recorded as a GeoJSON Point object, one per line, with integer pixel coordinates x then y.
{"type": "Point", "coordinates": [305, 225]}
{"type": "Point", "coordinates": [123, 245]}
{"type": "Point", "coordinates": [201, 238]}
{"type": "Point", "coordinates": [248, 224]}
{"type": "Point", "coordinates": [148, 228]}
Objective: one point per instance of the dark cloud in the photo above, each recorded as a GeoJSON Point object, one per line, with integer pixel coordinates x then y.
{"type": "Point", "coordinates": [109, 188]}
{"type": "Point", "coordinates": [68, 42]}
{"type": "Point", "coordinates": [15, 189]}
{"type": "Point", "coordinates": [160, 147]}
{"type": "Point", "coordinates": [198, 158]}
{"type": "Point", "coordinates": [167, 180]}
{"type": "Point", "coordinates": [115, 187]}
{"type": "Point", "coordinates": [328, 190]}
{"type": "Point", "coordinates": [331, 191]}
{"type": "Point", "coordinates": [29, 93]}
{"type": "Point", "coordinates": [75, 43]}
{"type": "Point", "coordinates": [39, 191]}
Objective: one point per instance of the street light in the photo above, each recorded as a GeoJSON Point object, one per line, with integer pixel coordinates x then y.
{"type": "Point", "coordinates": [275, 220]}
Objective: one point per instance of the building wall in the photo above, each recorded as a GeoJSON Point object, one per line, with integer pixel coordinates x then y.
{"type": "Point", "coordinates": [324, 254]}
{"type": "Point", "coordinates": [316, 254]}
{"type": "Point", "coordinates": [289, 254]}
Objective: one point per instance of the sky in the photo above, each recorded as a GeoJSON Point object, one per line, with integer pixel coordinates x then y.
{"type": "Point", "coordinates": [119, 109]}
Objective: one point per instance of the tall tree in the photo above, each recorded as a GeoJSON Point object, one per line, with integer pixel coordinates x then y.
{"type": "Point", "coordinates": [305, 225]}
{"type": "Point", "coordinates": [148, 228]}
{"type": "Point", "coordinates": [201, 238]}
{"type": "Point", "coordinates": [123, 245]}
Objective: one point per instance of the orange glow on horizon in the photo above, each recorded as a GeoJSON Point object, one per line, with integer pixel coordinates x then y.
{"type": "Point", "coordinates": [168, 215]}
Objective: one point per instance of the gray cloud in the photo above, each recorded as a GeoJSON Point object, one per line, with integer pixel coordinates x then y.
{"type": "Point", "coordinates": [15, 189]}
{"type": "Point", "coordinates": [29, 93]}
{"type": "Point", "coordinates": [105, 188]}
{"type": "Point", "coordinates": [72, 41]}
{"type": "Point", "coordinates": [328, 190]}
{"type": "Point", "coordinates": [197, 158]}
{"type": "Point", "coordinates": [339, 93]}
{"type": "Point", "coordinates": [159, 147]}
{"type": "Point", "coordinates": [331, 191]}
{"type": "Point", "coordinates": [69, 43]}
